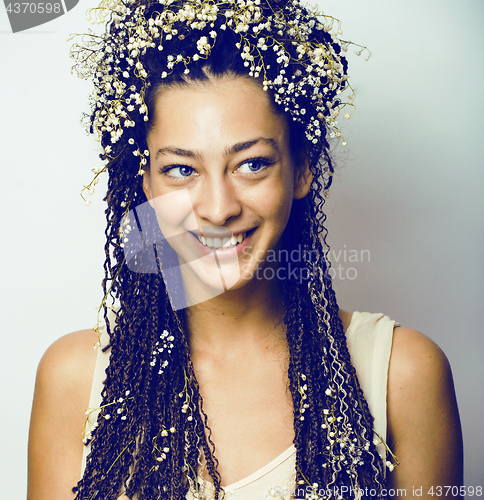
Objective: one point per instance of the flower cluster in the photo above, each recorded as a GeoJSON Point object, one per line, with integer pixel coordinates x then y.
{"type": "Point", "coordinates": [306, 73]}
{"type": "Point", "coordinates": [165, 343]}
{"type": "Point", "coordinates": [303, 406]}
{"type": "Point", "coordinates": [378, 440]}
{"type": "Point", "coordinates": [160, 451]}
{"type": "Point", "coordinates": [117, 408]}
{"type": "Point", "coordinates": [343, 444]}
{"type": "Point", "coordinates": [187, 406]}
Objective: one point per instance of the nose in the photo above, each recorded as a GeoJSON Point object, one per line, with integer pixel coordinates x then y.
{"type": "Point", "coordinates": [217, 201]}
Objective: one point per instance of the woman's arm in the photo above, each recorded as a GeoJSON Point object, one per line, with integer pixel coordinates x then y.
{"type": "Point", "coordinates": [423, 420]}
{"type": "Point", "coordinates": [62, 392]}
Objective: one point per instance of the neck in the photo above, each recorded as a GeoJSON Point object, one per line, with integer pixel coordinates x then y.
{"type": "Point", "coordinates": [237, 319]}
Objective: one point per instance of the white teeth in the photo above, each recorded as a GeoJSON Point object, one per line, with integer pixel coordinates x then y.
{"type": "Point", "coordinates": [222, 243]}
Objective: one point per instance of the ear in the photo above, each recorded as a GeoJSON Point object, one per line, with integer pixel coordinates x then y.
{"type": "Point", "coordinates": [302, 180]}
{"type": "Point", "coordinates": [147, 187]}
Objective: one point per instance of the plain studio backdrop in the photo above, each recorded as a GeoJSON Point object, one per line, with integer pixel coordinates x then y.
{"type": "Point", "coordinates": [405, 215]}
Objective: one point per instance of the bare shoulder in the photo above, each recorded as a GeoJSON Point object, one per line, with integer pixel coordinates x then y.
{"type": "Point", "coordinates": [423, 420]}
{"type": "Point", "coordinates": [66, 369]}
{"type": "Point", "coordinates": [419, 374]}
{"type": "Point", "coordinates": [416, 359]}
{"type": "Point", "coordinates": [69, 358]}
{"type": "Point", "coordinates": [62, 392]}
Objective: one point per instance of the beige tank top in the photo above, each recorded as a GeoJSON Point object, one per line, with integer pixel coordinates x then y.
{"type": "Point", "coordinates": [369, 338]}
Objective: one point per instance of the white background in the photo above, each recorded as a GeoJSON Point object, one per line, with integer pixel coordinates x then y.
{"type": "Point", "coordinates": [408, 190]}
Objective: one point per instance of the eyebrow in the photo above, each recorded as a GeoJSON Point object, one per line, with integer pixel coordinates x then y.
{"type": "Point", "coordinates": [242, 146]}
{"type": "Point", "coordinates": [236, 148]}
{"type": "Point", "coordinates": [186, 153]}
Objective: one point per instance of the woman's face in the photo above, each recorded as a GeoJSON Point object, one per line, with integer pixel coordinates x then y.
{"type": "Point", "coordinates": [221, 178]}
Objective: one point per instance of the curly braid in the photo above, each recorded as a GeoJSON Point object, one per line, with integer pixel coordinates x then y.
{"type": "Point", "coordinates": [154, 442]}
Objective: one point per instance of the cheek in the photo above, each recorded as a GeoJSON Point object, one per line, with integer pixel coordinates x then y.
{"type": "Point", "coordinates": [174, 212]}
{"type": "Point", "coordinates": [282, 194]}
{"type": "Point", "coordinates": [273, 203]}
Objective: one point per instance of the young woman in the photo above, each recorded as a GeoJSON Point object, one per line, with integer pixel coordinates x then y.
{"type": "Point", "coordinates": [226, 367]}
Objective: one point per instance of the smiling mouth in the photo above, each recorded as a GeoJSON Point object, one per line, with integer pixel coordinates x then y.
{"type": "Point", "coordinates": [223, 243]}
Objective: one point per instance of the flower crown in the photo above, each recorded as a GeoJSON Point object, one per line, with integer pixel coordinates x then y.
{"type": "Point", "coordinates": [306, 73]}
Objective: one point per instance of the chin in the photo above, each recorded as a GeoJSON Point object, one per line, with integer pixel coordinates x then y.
{"type": "Point", "coordinates": [208, 277]}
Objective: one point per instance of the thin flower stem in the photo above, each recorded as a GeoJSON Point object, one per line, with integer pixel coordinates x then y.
{"type": "Point", "coordinates": [117, 458]}
{"type": "Point", "coordinates": [195, 478]}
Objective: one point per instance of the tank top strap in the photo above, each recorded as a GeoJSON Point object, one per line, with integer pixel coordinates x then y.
{"type": "Point", "coordinates": [369, 339]}
{"type": "Point", "coordinates": [92, 413]}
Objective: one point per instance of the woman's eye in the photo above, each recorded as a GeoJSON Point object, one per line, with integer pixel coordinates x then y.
{"type": "Point", "coordinates": [179, 171]}
{"type": "Point", "coordinates": [253, 166]}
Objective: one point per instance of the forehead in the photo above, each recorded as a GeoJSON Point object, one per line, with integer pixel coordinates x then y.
{"type": "Point", "coordinates": [216, 110]}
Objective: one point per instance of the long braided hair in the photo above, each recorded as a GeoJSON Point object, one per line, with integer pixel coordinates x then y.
{"type": "Point", "coordinates": [152, 436]}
